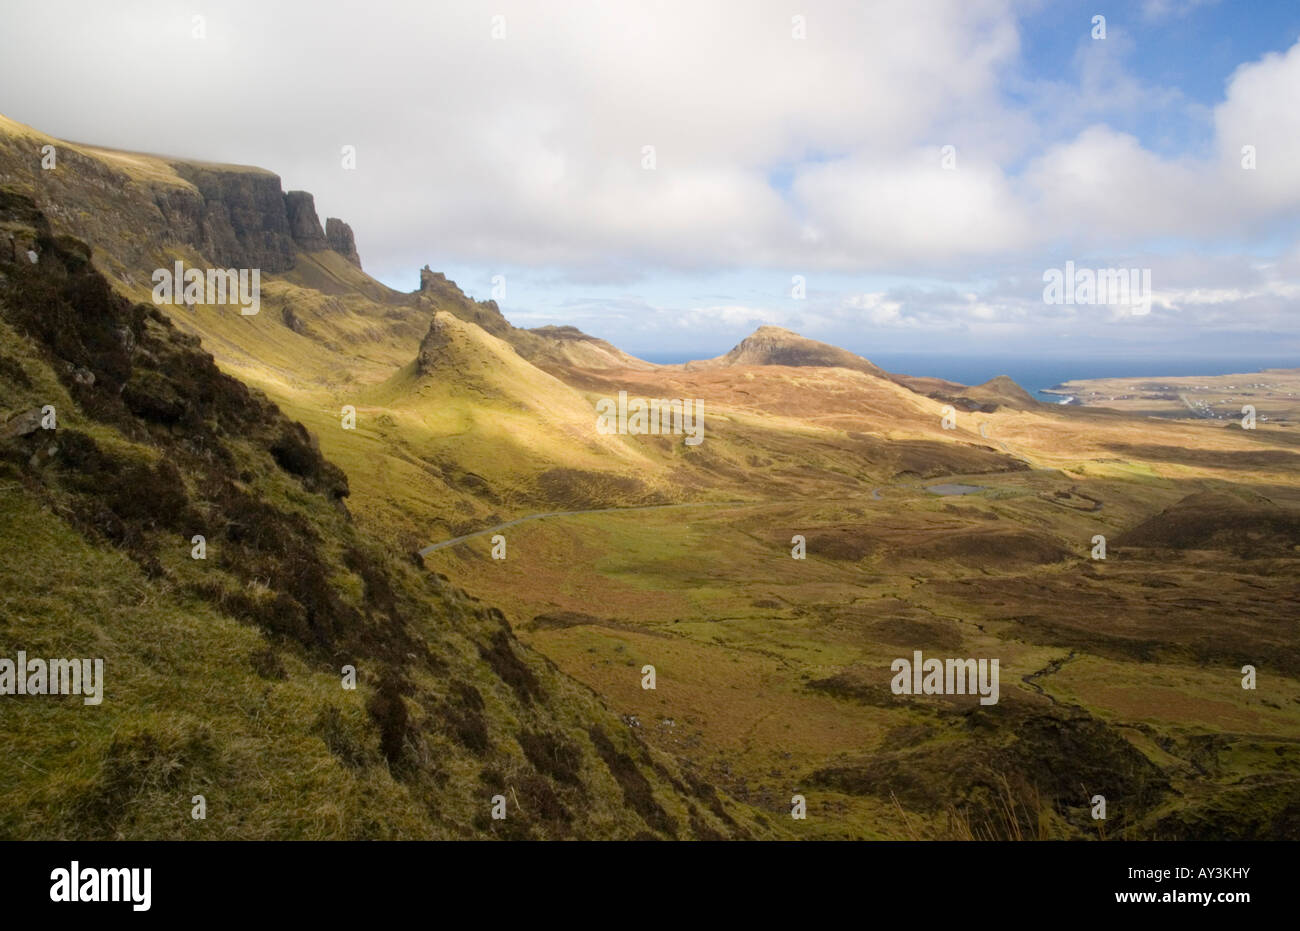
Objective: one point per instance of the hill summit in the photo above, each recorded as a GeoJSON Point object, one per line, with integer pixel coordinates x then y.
{"type": "Point", "coordinates": [774, 345]}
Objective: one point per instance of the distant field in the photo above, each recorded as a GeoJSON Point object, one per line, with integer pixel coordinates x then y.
{"type": "Point", "coordinates": [1274, 393]}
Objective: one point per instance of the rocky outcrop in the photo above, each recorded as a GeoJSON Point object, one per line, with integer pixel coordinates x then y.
{"type": "Point", "coordinates": [304, 224]}
{"type": "Point", "coordinates": [444, 294]}
{"type": "Point", "coordinates": [431, 281]}
{"type": "Point", "coordinates": [435, 348]}
{"type": "Point", "coordinates": [237, 221]}
{"type": "Point", "coordinates": [340, 238]}
{"type": "Point", "coordinates": [22, 424]}
{"type": "Point", "coordinates": [552, 349]}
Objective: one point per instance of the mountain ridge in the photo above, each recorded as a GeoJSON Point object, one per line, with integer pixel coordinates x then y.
{"type": "Point", "coordinates": [239, 216]}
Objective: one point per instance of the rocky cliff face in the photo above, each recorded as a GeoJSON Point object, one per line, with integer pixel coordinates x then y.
{"type": "Point", "coordinates": [238, 219]}
{"type": "Point", "coordinates": [241, 219]}
{"type": "Point", "coordinates": [340, 238]}
{"type": "Point", "coordinates": [304, 224]}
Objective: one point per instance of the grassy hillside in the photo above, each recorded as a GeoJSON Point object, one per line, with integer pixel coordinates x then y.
{"type": "Point", "coordinates": [1120, 676]}
{"type": "Point", "coordinates": [223, 674]}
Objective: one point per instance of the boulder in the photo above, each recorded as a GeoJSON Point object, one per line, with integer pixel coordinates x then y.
{"type": "Point", "coordinates": [23, 424]}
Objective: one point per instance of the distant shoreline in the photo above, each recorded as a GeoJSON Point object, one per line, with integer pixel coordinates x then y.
{"type": "Point", "coordinates": [1063, 376]}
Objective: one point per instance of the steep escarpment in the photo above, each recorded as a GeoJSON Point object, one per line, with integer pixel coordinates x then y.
{"type": "Point", "coordinates": [238, 220]}
{"type": "Point", "coordinates": [304, 224]}
{"type": "Point", "coordinates": [341, 240]}
{"type": "Point", "coordinates": [162, 516]}
{"type": "Point", "coordinates": [137, 208]}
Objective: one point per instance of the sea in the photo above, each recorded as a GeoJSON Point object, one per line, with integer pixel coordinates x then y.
{"type": "Point", "coordinates": [1036, 373]}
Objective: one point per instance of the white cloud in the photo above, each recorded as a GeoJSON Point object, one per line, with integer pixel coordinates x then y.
{"type": "Point", "coordinates": [878, 214]}
{"type": "Point", "coordinates": [527, 151]}
{"type": "Point", "coordinates": [1260, 110]}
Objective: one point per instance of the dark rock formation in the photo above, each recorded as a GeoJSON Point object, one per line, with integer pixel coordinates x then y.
{"type": "Point", "coordinates": [237, 221]}
{"type": "Point", "coordinates": [444, 294]}
{"type": "Point", "coordinates": [242, 219]}
{"type": "Point", "coordinates": [340, 238]}
{"type": "Point", "coordinates": [435, 350]}
{"type": "Point", "coordinates": [431, 281]}
{"type": "Point", "coordinates": [304, 224]}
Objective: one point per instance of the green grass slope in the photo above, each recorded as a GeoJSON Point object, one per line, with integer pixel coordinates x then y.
{"type": "Point", "coordinates": [223, 674]}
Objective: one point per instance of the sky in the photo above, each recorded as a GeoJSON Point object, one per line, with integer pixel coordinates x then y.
{"type": "Point", "coordinates": [886, 176]}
